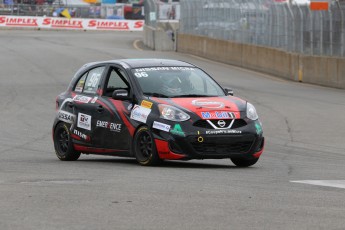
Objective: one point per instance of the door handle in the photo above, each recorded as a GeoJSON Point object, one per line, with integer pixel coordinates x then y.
{"type": "Point", "coordinates": [100, 109]}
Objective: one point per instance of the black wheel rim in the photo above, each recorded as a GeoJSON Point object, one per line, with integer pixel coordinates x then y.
{"type": "Point", "coordinates": [62, 141]}
{"type": "Point", "coordinates": [144, 146]}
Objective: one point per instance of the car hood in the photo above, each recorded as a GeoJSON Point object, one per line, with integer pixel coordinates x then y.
{"type": "Point", "coordinates": [213, 105]}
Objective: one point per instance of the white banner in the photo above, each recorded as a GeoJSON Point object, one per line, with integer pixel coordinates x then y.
{"type": "Point", "coordinates": [73, 23]}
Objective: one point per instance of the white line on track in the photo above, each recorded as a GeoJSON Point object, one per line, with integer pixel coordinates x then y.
{"type": "Point", "coordinates": [135, 44]}
{"type": "Point", "coordinates": [328, 183]}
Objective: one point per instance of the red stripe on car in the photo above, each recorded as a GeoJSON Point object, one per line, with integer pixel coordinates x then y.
{"type": "Point", "coordinates": [82, 148]}
{"type": "Point", "coordinates": [164, 151]}
{"type": "Point", "coordinates": [121, 108]}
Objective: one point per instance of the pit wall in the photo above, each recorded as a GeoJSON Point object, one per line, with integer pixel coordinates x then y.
{"type": "Point", "coordinates": [326, 71]}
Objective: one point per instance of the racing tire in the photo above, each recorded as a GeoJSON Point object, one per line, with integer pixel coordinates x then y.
{"type": "Point", "coordinates": [63, 144]}
{"type": "Point", "coordinates": [244, 162]}
{"type": "Point", "coordinates": [145, 148]}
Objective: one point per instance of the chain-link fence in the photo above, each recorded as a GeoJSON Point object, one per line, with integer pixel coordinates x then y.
{"type": "Point", "coordinates": [290, 25]}
{"type": "Point", "coordinates": [157, 10]}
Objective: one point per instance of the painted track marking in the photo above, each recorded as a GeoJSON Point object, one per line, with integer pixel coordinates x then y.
{"type": "Point", "coordinates": [135, 44]}
{"type": "Point", "coordinates": [328, 183]}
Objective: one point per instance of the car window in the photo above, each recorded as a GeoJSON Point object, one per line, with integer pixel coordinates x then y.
{"type": "Point", "coordinates": [80, 85]}
{"type": "Point", "coordinates": [176, 82]}
{"type": "Point", "coordinates": [117, 80]}
{"type": "Point", "coordinates": [89, 82]}
{"type": "Point", "coordinates": [92, 80]}
{"type": "Point", "coordinates": [198, 82]}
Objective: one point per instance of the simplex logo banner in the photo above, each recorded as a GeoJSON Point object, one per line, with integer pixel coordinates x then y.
{"type": "Point", "coordinates": [73, 23]}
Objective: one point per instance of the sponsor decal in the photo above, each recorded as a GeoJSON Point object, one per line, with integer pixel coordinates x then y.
{"type": "Point", "coordinates": [146, 104]}
{"type": "Point", "coordinates": [204, 103]}
{"type": "Point", "coordinates": [94, 100]}
{"type": "Point", "coordinates": [161, 126]}
{"type": "Point", "coordinates": [163, 69]}
{"type": "Point", "coordinates": [80, 86]}
{"type": "Point", "coordinates": [66, 116]}
{"type": "Point", "coordinates": [109, 125]}
{"type": "Point", "coordinates": [217, 115]}
{"type": "Point", "coordinates": [73, 23]}
{"type": "Point", "coordinates": [228, 131]}
{"type": "Point", "coordinates": [115, 127]}
{"type": "Point", "coordinates": [109, 25]}
{"type": "Point", "coordinates": [84, 121]}
{"type": "Point", "coordinates": [18, 21]}
{"type": "Point", "coordinates": [81, 135]}
{"type": "Point", "coordinates": [258, 128]}
{"type": "Point", "coordinates": [63, 23]}
{"type": "Point", "coordinates": [82, 99]}
{"type": "Point", "coordinates": [177, 130]}
{"type": "Point", "coordinates": [140, 113]}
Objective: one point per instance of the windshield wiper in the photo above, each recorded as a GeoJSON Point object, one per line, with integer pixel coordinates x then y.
{"type": "Point", "coordinates": [156, 95]}
{"type": "Point", "coordinates": [193, 95]}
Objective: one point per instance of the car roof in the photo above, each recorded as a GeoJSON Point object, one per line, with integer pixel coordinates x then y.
{"type": "Point", "coordinates": [146, 62]}
{"type": "Point", "coordinates": [137, 63]}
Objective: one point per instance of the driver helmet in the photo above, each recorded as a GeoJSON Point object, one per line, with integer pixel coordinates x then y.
{"type": "Point", "coordinates": [172, 85]}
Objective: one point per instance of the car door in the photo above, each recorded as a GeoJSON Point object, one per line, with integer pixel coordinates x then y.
{"type": "Point", "coordinates": [112, 124]}
{"type": "Point", "coordinates": [84, 97]}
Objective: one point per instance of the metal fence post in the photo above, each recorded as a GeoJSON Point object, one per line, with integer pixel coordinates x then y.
{"type": "Point", "coordinates": [293, 28]}
{"type": "Point", "coordinates": [301, 30]}
{"type": "Point", "coordinates": [311, 24]}
{"type": "Point", "coordinates": [321, 32]}
{"type": "Point", "coordinates": [285, 23]}
{"type": "Point", "coordinates": [331, 31]}
{"type": "Point", "coordinates": [341, 31]}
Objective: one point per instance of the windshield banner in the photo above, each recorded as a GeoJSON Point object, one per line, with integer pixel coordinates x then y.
{"type": "Point", "coordinates": [73, 23]}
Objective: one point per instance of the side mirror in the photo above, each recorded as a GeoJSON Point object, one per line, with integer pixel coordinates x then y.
{"type": "Point", "coordinates": [121, 94]}
{"type": "Point", "coordinates": [229, 91]}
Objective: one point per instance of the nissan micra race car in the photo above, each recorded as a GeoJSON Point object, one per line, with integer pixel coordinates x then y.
{"type": "Point", "coordinates": [154, 110]}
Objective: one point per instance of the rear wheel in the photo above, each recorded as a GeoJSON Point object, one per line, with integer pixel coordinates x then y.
{"type": "Point", "coordinates": [63, 144]}
{"type": "Point", "coordinates": [145, 148]}
{"type": "Point", "coordinates": [244, 162]}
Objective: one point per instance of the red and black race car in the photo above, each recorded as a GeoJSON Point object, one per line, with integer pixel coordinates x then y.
{"type": "Point", "coordinates": [154, 110]}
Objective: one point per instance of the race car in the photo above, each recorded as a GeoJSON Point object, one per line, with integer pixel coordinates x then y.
{"type": "Point", "coordinates": [154, 110]}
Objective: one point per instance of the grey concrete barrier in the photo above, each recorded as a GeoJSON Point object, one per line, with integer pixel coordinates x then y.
{"type": "Point", "coordinates": [326, 71]}
{"type": "Point", "coordinates": [159, 39]}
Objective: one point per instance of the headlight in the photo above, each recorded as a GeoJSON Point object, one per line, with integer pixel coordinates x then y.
{"type": "Point", "coordinates": [251, 112]}
{"type": "Point", "coordinates": [172, 113]}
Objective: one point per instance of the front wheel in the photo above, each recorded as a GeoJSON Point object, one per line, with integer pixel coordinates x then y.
{"type": "Point", "coordinates": [244, 162]}
{"type": "Point", "coordinates": [63, 144]}
{"type": "Point", "coordinates": [145, 148]}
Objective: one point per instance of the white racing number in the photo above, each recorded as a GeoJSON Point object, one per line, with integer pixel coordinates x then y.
{"type": "Point", "coordinates": [140, 75]}
{"type": "Point", "coordinates": [93, 80]}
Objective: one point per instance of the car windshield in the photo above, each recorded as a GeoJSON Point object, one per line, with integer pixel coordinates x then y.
{"type": "Point", "coordinates": [176, 82]}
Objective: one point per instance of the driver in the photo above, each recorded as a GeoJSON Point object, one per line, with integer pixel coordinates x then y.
{"type": "Point", "coordinates": [173, 85]}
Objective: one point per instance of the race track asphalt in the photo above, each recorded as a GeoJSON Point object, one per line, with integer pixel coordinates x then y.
{"type": "Point", "coordinates": [304, 126]}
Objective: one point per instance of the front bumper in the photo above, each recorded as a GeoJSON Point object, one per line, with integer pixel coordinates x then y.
{"type": "Point", "coordinates": [199, 144]}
